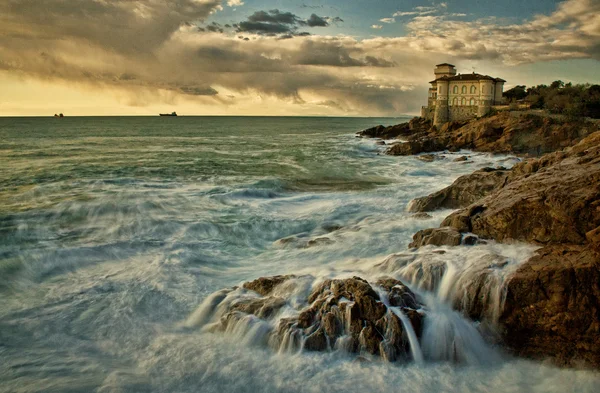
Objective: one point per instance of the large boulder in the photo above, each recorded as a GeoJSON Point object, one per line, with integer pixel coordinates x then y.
{"type": "Point", "coordinates": [445, 236]}
{"type": "Point", "coordinates": [463, 192]}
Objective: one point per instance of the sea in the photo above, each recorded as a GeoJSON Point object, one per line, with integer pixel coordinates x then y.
{"type": "Point", "coordinates": [115, 232]}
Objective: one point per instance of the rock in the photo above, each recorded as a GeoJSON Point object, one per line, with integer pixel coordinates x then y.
{"type": "Point", "coordinates": [380, 143]}
{"type": "Point", "coordinates": [261, 307]}
{"type": "Point", "coordinates": [552, 200]}
{"type": "Point", "coordinates": [316, 341]}
{"type": "Point", "coordinates": [422, 216]}
{"type": "Point", "coordinates": [463, 192]}
{"type": "Point", "coordinates": [445, 236]}
{"type": "Point", "coordinates": [265, 285]}
{"type": "Point", "coordinates": [427, 157]}
{"type": "Point", "coordinates": [552, 306]}
{"type": "Point", "coordinates": [460, 159]}
{"type": "Point", "coordinates": [501, 133]}
{"type": "Point", "coordinates": [414, 126]}
{"type": "Point", "coordinates": [349, 310]}
{"type": "Point", "coordinates": [320, 241]}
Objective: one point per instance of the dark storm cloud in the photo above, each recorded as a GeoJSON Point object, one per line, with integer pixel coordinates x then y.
{"type": "Point", "coordinates": [316, 21]}
{"type": "Point", "coordinates": [286, 24]}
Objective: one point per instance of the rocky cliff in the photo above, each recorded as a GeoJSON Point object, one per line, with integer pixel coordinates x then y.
{"type": "Point", "coordinates": [552, 305]}
{"type": "Point", "coordinates": [506, 132]}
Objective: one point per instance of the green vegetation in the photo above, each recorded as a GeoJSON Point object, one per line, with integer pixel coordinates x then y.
{"type": "Point", "coordinates": [560, 98]}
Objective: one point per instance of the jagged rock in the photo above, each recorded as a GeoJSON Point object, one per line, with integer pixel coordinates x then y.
{"type": "Point", "coordinates": [265, 285]}
{"type": "Point", "coordinates": [460, 159]}
{"type": "Point", "coordinates": [444, 236]}
{"type": "Point", "coordinates": [349, 310]}
{"type": "Point", "coordinates": [463, 192]}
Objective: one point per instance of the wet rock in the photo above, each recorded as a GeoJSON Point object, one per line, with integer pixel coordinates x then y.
{"type": "Point", "coordinates": [380, 142]}
{"type": "Point", "coordinates": [422, 216]}
{"type": "Point", "coordinates": [347, 313]}
{"type": "Point", "coordinates": [320, 241]}
{"type": "Point", "coordinates": [460, 159]}
{"type": "Point", "coordinates": [427, 157]}
{"type": "Point", "coordinates": [265, 307]}
{"type": "Point", "coordinates": [317, 341]}
{"type": "Point", "coordinates": [265, 285]}
{"type": "Point", "coordinates": [445, 236]}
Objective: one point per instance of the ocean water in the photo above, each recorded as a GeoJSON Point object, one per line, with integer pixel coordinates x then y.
{"type": "Point", "coordinates": [114, 232]}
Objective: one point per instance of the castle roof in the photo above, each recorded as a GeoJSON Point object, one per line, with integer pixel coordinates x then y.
{"type": "Point", "coordinates": [468, 77]}
{"type": "Point", "coordinates": [445, 64]}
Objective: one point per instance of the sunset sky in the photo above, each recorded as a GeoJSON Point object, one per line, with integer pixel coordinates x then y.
{"type": "Point", "coordinates": [268, 57]}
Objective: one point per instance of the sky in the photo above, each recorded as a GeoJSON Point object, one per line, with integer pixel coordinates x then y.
{"type": "Point", "coordinates": [276, 57]}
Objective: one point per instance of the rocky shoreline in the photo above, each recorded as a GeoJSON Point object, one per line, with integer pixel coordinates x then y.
{"type": "Point", "coordinates": [547, 307]}
{"type": "Point", "coordinates": [552, 303]}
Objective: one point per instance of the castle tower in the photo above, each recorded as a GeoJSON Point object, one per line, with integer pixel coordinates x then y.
{"type": "Point", "coordinates": [444, 69]}
{"type": "Point", "coordinates": [441, 105]}
{"type": "Point", "coordinates": [486, 96]}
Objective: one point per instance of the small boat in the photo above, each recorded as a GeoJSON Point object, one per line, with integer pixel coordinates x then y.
{"type": "Point", "coordinates": [61, 115]}
{"type": "Point", "coordinates": [168, 114]}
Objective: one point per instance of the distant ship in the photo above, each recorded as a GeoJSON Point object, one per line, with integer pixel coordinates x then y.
{"type": "Point", "coordinates": [168, 114]}
{"type": "Point", "coordinates": [61, 115]}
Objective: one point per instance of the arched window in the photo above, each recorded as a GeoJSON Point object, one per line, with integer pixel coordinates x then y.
{"type": "Point", "coordinates": [473, 89]}
{"type": "Point", "coordinates": [455, 90]}
{"type": "Point", "coordinates": [464, 89]}
{"type": "Point", "coordinates": [463, 102]}
{"type": "Point", "coordinates": [455, 101]}
{"type": "Point", "coordinates": [472, 103]}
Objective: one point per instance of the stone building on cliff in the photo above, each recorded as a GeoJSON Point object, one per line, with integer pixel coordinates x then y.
{"type": "Point", "coordinates": [462, 96]}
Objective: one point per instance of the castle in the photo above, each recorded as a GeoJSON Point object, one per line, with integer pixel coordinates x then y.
{"type": "Point", "coordinates": [462, 96]}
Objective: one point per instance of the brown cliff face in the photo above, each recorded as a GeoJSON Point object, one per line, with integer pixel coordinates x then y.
{"type": "Point", "coordinates": [551, 200]}
{"type": "Point", "coordinates": [552, 307]}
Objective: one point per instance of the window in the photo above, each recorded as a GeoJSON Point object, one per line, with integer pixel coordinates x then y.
{"type": "Point", "coordinates": [455, 101]}
{"type": "Point", "coordinates": [472, 103]}
{"type": "Point", "coordinates": [464, 89]}
{"type": "Point", "coordinates": [455, 90]}
{"type": "Point", "coordinates": [473, 89]}
{"type": "Point", "coordinates": [463, 102]}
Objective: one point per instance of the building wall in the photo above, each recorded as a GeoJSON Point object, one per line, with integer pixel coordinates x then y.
{"type": "Point", "coordinates": [462, 112]}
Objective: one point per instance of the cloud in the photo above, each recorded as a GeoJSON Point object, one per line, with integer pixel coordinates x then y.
{"type": "Point", "coordinates": [377, 27]}
{"type": "Point", "coordinates": [235, 3]}
{"type": "Point", "coordinates": [274, 22]}
{"type": "Point", "coordinates": [388, 20]}
{"type": "Point", "coordinates": [316, 20]}
{"type": "Point", "coordinates": [153, 45]}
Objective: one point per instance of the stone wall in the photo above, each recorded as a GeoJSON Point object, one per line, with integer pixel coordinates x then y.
{"type": "Point", "coordinates": [427, 112]}
{"type": "Point", "coordinates": [462, 112]}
